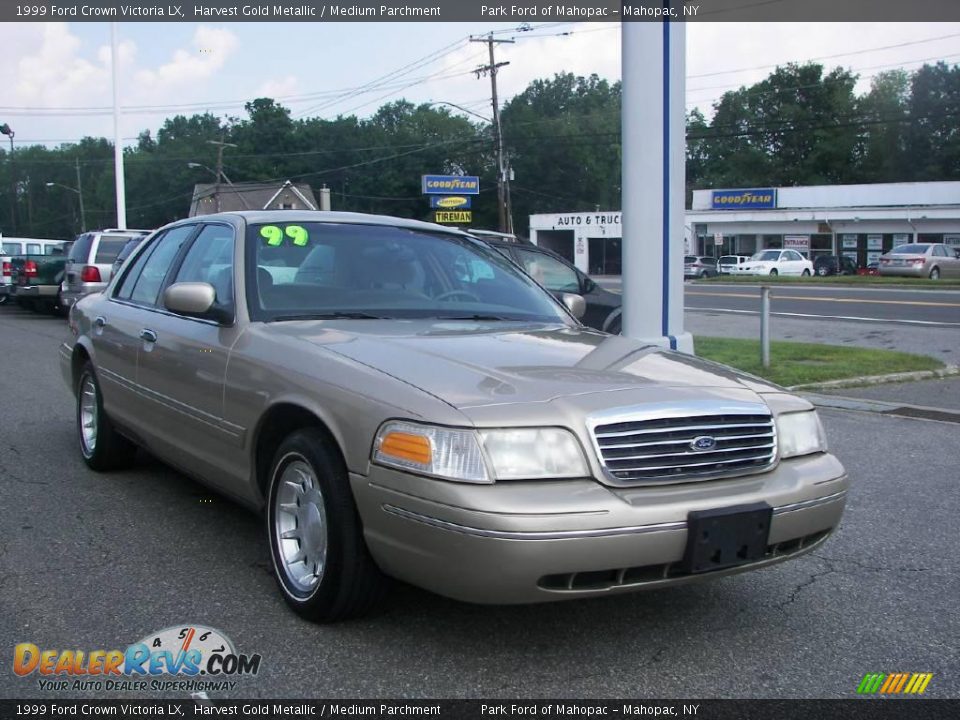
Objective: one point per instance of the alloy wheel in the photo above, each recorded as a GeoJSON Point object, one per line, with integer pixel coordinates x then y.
{"type": "Point", "coordinates": [300, 526]}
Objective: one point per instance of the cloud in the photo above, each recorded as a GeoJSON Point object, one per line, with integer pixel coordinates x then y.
{"type": "Point", "coordinates": [212, 47]}
{"type": "Point", "coordinates": [279, 87]}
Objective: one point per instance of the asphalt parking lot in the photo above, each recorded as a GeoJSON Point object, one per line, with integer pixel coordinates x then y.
{"type": "Point", "coordinates": [98, 561]}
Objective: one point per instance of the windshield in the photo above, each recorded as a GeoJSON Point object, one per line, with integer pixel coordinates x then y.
{"type": "Point", "coordinates": [728, 260]}
{"type": "Point", "coordinates": [310, 270]}
{"type": "Point", "coordinates": [767, 256]}
{"type": "Point", "coordinates": [910, 250]}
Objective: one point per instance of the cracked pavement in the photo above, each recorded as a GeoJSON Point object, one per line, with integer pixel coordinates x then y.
{"type": "Point", "coordinates": [93, 561]}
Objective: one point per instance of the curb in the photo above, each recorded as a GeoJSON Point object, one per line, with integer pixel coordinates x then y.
{"type": "Point", "coordinates": [948, 371]}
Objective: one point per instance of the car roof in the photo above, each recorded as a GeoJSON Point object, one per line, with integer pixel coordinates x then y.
{"type": "Point", "coordinates": [328, 216]}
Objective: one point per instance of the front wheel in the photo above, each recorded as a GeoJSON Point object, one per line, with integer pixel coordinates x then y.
{"type": "Point", "coordinates": [935, 274]}
{"type": "Point", "coordinates": [805, 273]}
{"type": "Point", "coordinates": [319, 556]}
{"type": "Point", "coordinates": [102, 447]}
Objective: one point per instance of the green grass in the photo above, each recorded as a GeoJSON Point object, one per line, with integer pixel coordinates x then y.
{"type": "Point", "coordinates": [793, 363]}
{"type": "Point", "coordinates": [913, 283]}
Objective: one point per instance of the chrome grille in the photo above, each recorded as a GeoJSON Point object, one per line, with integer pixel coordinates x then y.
{"type": "Point", "coordinates": [662, 449]}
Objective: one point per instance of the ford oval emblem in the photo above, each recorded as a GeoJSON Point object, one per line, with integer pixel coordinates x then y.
{"type": "Point", "coordinates": [703, 443]}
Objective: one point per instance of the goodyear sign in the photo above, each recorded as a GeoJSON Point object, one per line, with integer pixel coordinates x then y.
{"type": "Point", "coordinates": [453, 216]}
{"type": "Point", "coordinates": [450, 202]}
{"type": "Point", "coordinates": [755, 199]}
{"type": "Point", "coordinates": [450, 184]}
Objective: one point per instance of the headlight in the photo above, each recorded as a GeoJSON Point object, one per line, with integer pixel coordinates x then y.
{"type": "Point", "coordinates": [800, 434]}
{"type": "Point", "coordinates": [480, 456]}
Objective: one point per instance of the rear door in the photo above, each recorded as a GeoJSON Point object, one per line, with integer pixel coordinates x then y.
{"type": "Point", "coordinates": [117, 341]}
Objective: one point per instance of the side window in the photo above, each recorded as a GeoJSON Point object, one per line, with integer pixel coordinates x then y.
{"type": "Point", "coordinates": [154, 268]}
{"type": "Point", "coordinates": [33, 249]}
{"type": "Point", "coordinates": [549, 272]}
{"type": "Point", "coordinates": [940, 251]}
{"type": "Point", "coordinates": [210, 260]}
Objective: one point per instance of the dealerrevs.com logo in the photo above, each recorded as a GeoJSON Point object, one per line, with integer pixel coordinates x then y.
{"type": "Point", "coordinates": [184, 658]}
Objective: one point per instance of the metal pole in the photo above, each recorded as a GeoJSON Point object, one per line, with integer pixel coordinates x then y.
{"type": "Point", "coordinates": [653, 127]}
{"type": "Point", "coordinates": [117, 145]}
{"type": "Point", "coordinates": [765, 325]}
{"type": "Point", "coordinates": [83, 215]}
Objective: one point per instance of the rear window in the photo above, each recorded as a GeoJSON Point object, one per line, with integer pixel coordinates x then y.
{"type": "Point", "coordinates": [910, 250]}
{"type": "Point", "coordinates": [11, 248]}
{"type": "Point", "coordinates": [108, 249]}
{"type": "Point", "coordinates": [729, 260]}
{"type": "Point", "coordinates": [689, 259]}
{"type": "Point", "coordinates": [81, 249]}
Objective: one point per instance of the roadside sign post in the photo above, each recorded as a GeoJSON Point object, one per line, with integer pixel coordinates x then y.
{"type": "Point", "coordinates": [765, 325]}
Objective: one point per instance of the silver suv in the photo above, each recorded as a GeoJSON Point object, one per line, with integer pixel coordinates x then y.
{"type": "Point", "coordinates": [90, 262]}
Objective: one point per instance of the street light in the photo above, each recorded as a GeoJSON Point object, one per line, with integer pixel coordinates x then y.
{"type": "Point", "coordinates": [504, 171]}
{"type": "Point", "coordinates": [79, 192]}
{"type": "Point", "coordinates": [5, 129]}
{"type": "Point", "coordinates": [219, 175]}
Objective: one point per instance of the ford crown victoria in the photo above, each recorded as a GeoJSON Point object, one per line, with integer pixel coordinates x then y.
{"type": "Point", "coordinates": [400, 400]}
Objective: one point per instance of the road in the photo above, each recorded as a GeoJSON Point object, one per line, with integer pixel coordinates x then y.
{"type": "Point", "coordinates": [938, 308]}
{"type": "Point", "coordinates": [92, 561]}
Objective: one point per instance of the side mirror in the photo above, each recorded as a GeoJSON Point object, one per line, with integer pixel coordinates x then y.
{"type": "Point", "coordinates": [575, 304]}
{"type": "Point", "coordinates": [189, 298]}
{"type": "Point", "coordinates": [587, 285]}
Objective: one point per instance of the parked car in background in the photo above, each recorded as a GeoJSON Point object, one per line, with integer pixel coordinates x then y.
{"type": "Point", "coordinates": [90, 262]}
{"type": "Point", "coordinates": [825, 265]}
{"type": "Point", "coordinates": [125, 252]}
{"type": "Point", "coordinates": [778, 262]}
{"type": "Point", "coordinates": [922, 260]}
{"type": "Point", "coordinates": [731, 264]}
{"type": "Point", "coordinates": [13, 246]}
{"type": "Point", "coordinates": [559, 276]}
{"type": "Point", "coordinates": [699, 266]}
{"type": "Point", "coordinates": [409, 404]}
{"type": "Point", "coordinates": [871, 269]}
{"type": "Point", "coordinates": [36, 279]}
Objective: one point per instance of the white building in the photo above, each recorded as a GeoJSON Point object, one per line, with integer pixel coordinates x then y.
{"type": "Point", "coordinates": [862, 221]}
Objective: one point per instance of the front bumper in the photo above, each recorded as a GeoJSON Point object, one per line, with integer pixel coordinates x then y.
{"type": "Point", "coordinates": [539, 541]}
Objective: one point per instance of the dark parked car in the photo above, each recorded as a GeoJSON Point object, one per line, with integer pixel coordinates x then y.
{"type": "Point", "coordinates": [834, 265]}
{"type": "Point", "coordinates": [559, 276]}
{"type": "Point", "coordinates": [699, 266]}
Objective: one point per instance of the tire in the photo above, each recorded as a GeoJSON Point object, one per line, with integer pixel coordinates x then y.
{"type": "Point", "coordinates": [805, 273]}
{"type": "Point", "coordinates": [774, 273]}
{"type": "Point", "coordinates": [822, 271]}
{"type": "Point", "coordinates": [616, 327]}
{"type": "Point", "coordinates": [4, 299]}
{"type": "Point", "coordinates": [309, 494]}
{"type": "Point", "coordinates": [106, 449]}
{"type": "Point", "coordinates": [935, 274]}
{"type": "Point", "coordinates": [703, 274]}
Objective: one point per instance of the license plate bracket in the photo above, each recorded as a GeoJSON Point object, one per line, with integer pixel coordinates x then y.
{"type": "Point", "coordinates": [726, 537]}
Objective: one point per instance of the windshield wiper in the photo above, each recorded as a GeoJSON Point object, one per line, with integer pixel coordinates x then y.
{"type": "Point", "coordinates": [328, 316]}
{"type": "Point", "coordinates": [474, 317]}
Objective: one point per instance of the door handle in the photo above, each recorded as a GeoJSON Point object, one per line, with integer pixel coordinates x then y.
{"type": "Point", "coordinates": [100, 321]}
{"type": "Point", "coordinates": [148, 335]}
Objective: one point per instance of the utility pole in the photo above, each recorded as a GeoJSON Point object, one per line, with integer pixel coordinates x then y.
{"type": "Point", "coordinates": [503, 189]}
{"type": "Point", "coordinates": [219, 171]}
{"type": "Point", "coordinates": [83, 215]}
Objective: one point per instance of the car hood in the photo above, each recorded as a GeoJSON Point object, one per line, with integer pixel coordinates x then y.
{"type": "Point", "coordinates": [473, 364]}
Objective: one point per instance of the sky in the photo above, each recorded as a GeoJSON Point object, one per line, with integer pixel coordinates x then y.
{"type": "Point", "coordinates": [55, 83]}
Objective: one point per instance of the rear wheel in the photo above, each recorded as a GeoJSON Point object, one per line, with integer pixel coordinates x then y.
{"type": "Point", "coordinates": [320, 558]}
{"type": "Point", "coordinates": [805, 273]}
{"type": "Point", "coordinates": [774, 272]}
{"type": "Point", "coordinates": [822, 271]}
{"type": "Point", "coordinates": [100, 444]}
{"type": "Point", "coordinates": [935, 274]}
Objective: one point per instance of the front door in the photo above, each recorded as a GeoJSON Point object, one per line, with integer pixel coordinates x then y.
{"type": "Point", "coordinates": [183, 362]}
